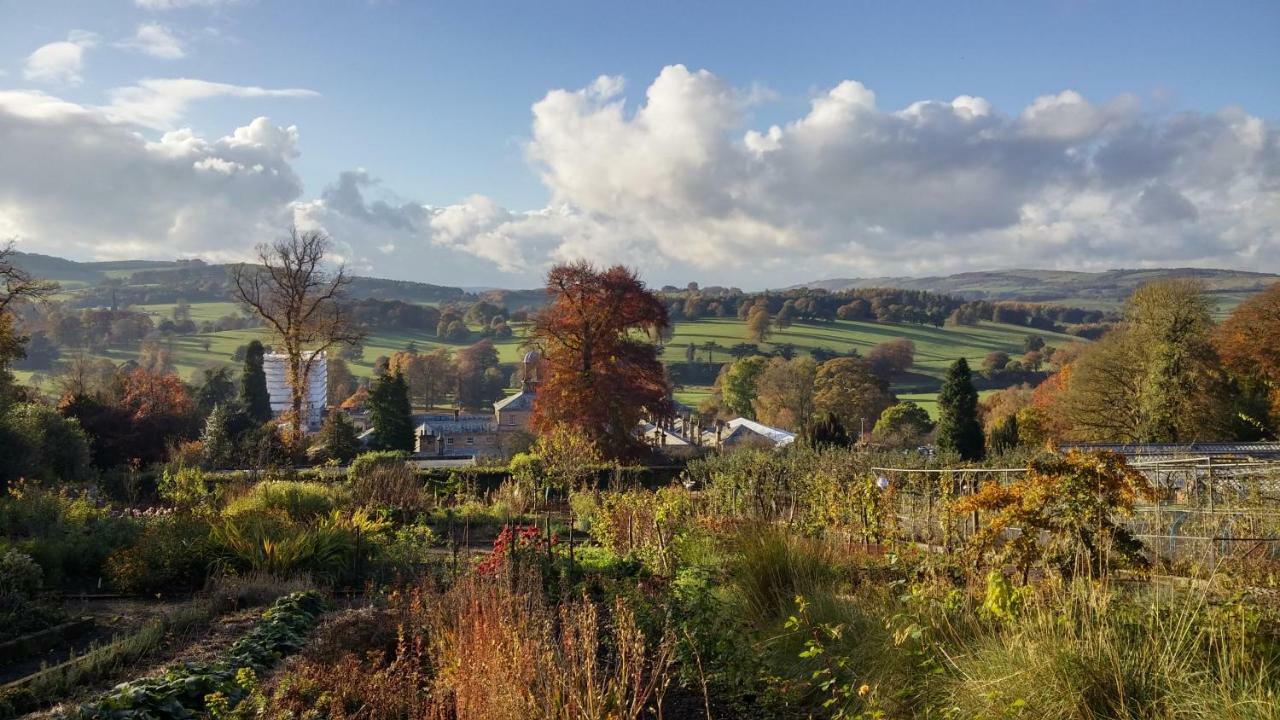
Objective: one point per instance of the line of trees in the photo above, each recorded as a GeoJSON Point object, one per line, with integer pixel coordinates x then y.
{"type": "Point", "coordinates": [1164, 373]}
{"type": "Point", "coordinates": [808, 305]}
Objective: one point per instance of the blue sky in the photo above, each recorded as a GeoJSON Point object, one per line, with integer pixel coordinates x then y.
{"type": "Point", "coordinates": [432, 105]}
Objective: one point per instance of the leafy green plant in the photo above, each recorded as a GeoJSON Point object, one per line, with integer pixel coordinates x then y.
{"type": "Point", "coordinates": [189, 689]}
{"type": "Point", "coordinates": [291, 500]}
{"type": "Point", "coordinates": [172, 554]}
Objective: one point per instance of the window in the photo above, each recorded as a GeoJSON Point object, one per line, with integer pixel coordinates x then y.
{"type": "Point", "coordinates": [471, 440]}
{"type": "Point", "coordinates": [448, 441]}
{"type": "Point", "coordinates": [510, 420]}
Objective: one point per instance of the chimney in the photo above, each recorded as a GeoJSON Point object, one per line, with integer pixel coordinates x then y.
{"type": "Point", "coordinates": [455, 414]}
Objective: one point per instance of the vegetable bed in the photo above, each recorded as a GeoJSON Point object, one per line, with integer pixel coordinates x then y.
{"type": "Point", "coordinates": [186, 690]}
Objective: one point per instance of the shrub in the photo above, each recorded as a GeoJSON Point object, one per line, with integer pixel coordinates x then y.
{"type": "Point", "coordinates": [185, 488]}
{"type": "Point", "coordinates": [39, 443]}
{"type": "Point", "coordinates": [384, 479]}
{"type": "Point", "coordinates": [371, 462]}
{"type": "Point", "coordinates": [408, 547]}
{"type": "Point", "coordinates": [644, 524]}
{"type": "Point", "coordinates": [20, 576]}
{"type": "Point", "coordinates": [327, 547]}
{"type": "Point", "coordinates": [172, 554]}
{"type": "Point", "coordinates": [287, 500]}
{"type": "Point", "coordinates": [68, 535]}
{"type": "Point", "coordinates": [20, 580]}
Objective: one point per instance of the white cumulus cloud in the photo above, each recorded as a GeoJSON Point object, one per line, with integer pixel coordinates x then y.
{"type": "Point", "coordinates": [155, 40]}
{"type": "Point", "coordinates": [678, 185]}
{"type": "Point", "coordinates": [60, 62]}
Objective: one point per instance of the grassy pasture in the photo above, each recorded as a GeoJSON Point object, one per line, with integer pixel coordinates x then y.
{"type": "Point", "coordinates": [936, 348]}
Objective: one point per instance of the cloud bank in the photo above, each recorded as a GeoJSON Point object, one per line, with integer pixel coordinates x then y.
{"type": "Point", "coordinates": [679, 186]}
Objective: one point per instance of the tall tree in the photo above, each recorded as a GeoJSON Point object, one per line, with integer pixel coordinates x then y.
{"type": "Point", "coordinates": [301, 303]}
{"type": "Point", "coordinates": [905, 423]}
{"type": "Point", "coordinates": [253, 385]}
{"type": "Point", "coordinates": [784, 392]}
{"type": "Point", "coordinates": [1249, 343]}
{"type": "Point", "coordinates": [217, 446]}
{"type": "Point", "coordinates": [1154, 378]}
{"type": "Point", "coordinates": [786, 315]}
{"type": "Point", "coordinates": [848, 389]}
{"type": "Point", "coordinates": [759, 323]}
{"type": "Point", "coordinates": [390, 413]}
{"type": "Point", "coordinates": [959, 429]}
{"type": "Point", "coordinates": [431, 376]}
{"type": "Point", "coordinates": [738, 386]}
{"type": "Point", "coordinates": [892, 357]}
{"type": "Point", "coordinates": [601, 377]}
{"type": "Point", "coordinates": [16, 286]}
{"type": "Point", "coordinates": [342, 383]}
{"type": "Point", "coordinates": [338, 438]}
{"type": "Point", "coordinates": [213, 387]}
{"type": "Point", "coordinates": [480, 380]}
{"type": "Point", "coordinates": [1171, 325]}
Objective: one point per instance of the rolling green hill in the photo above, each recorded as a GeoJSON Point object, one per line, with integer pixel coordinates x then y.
{"type": "Point", "coordinates": [1102, 290]}
{"type": "Point", "coordinates": [153, 286]}
{"type": "Point", "coordinates": [936, 348]}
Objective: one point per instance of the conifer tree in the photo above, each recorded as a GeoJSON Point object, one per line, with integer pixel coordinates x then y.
{"type": "Point", "coordinates": [253, 385]}
{"type": "Point", "coordinates": [217, 445]}
{"type": "Point", "coordinates": [338, 437]}
{"type": "Point", "coordinates": [958, 428]}
{"type": "Point", "coordinates": [390, 413]}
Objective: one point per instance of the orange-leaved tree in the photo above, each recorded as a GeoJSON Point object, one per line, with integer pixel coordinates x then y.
{"type": "Point", "coordinates": [602, 369]}
{"type": "Point", "coordinates": [1249, 343]}
{"type": "Point", "coordinates": [1066, 509]}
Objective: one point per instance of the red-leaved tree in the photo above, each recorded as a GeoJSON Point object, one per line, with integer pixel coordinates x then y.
{"type": "Point", "coordinates": [602, 373]}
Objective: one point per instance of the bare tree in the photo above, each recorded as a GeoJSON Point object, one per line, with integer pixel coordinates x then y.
{"type": "Point", "coordinates": [17, 284]}
{"type": "Point", "coordinates": [301, 303]}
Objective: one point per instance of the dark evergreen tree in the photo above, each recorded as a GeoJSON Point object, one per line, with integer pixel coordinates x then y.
{"type": "Point", "coordinates": [253, 385]}
{"type": "Point", "coordinates": [217, 443]}
{"type": "Point", "coordinates": [338, 439]}
{"type": "Point", "coordinates": [390, 413]}
{"type": "Point", "coordinates": [216, 388]}
{"type": "Point", "coordinates": [958, 428]}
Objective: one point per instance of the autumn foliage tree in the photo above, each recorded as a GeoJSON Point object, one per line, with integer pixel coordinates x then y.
{"type": "Point", "coordinates": [602, 376]}
{"type": "Point", "coordinates": [1068, 509]}
{"type": "Point", "coordinates": [1249, 343]}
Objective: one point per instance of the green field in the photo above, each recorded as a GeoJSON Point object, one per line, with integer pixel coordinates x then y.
{"type": "Point", "coordinates": [192, 353]}
{"type": "Point", "coordinates": [936, 348]}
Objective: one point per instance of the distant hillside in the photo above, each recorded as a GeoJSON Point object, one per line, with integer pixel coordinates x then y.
{"type": "Point", "coordinates": [1057, 286]}
{"type": "Point", "coordinates": [154, 281]}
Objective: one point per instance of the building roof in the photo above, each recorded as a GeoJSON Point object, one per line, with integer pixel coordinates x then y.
{"type": "Point", "coordinates": [778, 437]}
{"type": "Point", "coordinates": [522, 400]}
{"type": "Point", "coordinates": [1160, 451]}
{"type": "Point", "coordinates": [448, 426]}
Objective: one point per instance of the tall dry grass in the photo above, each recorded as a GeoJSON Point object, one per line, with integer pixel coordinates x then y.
{"type": "Point", "coordinates": [489, 648]}
{"type": "Point", "coordinates": [501, 652]}
{"type": "Point", "coordinates": [1086, 653]}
